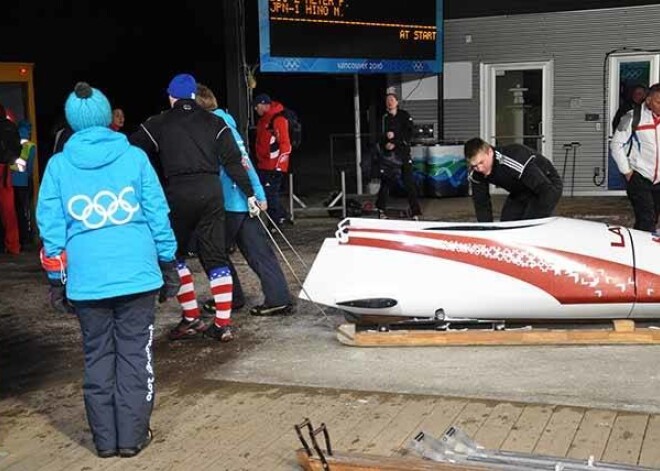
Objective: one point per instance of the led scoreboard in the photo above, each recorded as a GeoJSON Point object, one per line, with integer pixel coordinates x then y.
{"type": "Point", "coordinates": [350, 36]}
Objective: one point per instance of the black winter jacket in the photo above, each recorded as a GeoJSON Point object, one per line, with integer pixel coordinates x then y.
{"type": "Point", "coordinates": [522, 172]}
{"type": "Point", "coordinates": [10, 142]}
{"type": "Point", "coordinates": [10, 149]}
{"type": "Point", "coordinates": [188, 140]}
{"type": "Point", "coordinates": [401, 125]}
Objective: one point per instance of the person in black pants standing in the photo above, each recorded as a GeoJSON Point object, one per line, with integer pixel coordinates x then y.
{"type": "Point", "coordinates": [101, 204]}
{"type": "Point", "coordinates": [532, 181]}
{"type": "Point", "coordinates": [395, 161]}
{"type": "Point", "coordinates": [188, 146]}
{"type": "Point", "coordinates": [635, 147]}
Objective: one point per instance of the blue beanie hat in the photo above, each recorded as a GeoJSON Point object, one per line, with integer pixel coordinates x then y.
{"type": "Point", "coordinates": [262, 99]}
{"type": "Point", "coordinates": [87, 107]}
{"type": "Point", "coordinates": [182, 86]}
{"type": "Point", "coordinates": [24, 129]}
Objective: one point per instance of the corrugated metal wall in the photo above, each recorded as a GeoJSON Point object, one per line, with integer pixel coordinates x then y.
{"type": "Point", "coordinates": [577, 42]}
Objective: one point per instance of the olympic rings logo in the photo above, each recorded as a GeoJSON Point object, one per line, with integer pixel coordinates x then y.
{"type": "Point", "coordinates": [103, 213]}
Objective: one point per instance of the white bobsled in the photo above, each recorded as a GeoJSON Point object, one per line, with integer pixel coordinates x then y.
{"type": "Point", "coordinates": [544, 269]}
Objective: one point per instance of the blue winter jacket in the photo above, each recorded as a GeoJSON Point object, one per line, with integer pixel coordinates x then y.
{"type": "Point", "coordinates": [235, 199]}
{"type": "Point", "coordinates": [101, 201]}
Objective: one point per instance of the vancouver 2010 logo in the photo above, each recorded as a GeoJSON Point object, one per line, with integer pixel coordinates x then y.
{"type": "Point", "coordinates": [103, 207]}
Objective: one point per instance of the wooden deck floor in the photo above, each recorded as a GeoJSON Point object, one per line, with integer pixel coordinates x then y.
{"type": "Point", "coordinates": [233, 426]}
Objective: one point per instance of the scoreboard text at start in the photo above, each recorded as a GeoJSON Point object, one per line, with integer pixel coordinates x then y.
{"type": "Point", "coordinates": [336, 36]}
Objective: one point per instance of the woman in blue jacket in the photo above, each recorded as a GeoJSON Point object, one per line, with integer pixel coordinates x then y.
{"type": "Point", "coordinates": [246, 231]}
{"type": "Point", "coordinates": [107, 247]}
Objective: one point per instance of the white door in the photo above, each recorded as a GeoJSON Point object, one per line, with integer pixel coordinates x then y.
{"type": "Point", "coordinates": [516, 105]}
{"type": "Point", "coordinates": [626, 73]}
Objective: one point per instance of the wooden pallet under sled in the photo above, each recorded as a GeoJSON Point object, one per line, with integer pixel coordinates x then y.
{"type": "Point", "coordinates": [623, 331]}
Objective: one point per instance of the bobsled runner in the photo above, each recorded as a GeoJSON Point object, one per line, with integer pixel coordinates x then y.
{"type": "Point", "coordinates": [544, 269]}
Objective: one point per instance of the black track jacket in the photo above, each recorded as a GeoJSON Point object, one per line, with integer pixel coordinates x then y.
{"type": "Point", "coordinates": [521, 171]}
{"type": "Point", "coordinates": [188, 140]}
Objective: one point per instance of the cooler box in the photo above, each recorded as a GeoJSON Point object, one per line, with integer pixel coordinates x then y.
{"type": "Point", "coordinates": [419, 156]}
{"type": "Point", "coordinates": [446, 172]}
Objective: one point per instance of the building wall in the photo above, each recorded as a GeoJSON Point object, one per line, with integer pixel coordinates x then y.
{"type": "Point", "coordinates": [577, 42]}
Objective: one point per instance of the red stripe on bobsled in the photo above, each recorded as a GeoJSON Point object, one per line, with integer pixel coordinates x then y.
{"type": "Point", "coordinates": [599, 282]}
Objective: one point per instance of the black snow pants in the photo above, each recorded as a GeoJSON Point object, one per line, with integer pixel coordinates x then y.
{"type": "Point", "coordinates": [118, 386]}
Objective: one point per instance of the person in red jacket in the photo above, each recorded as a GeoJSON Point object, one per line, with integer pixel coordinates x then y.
{"type": "Point", "coordinates": [273, 148]}
{"type": "Point", "coordinates": [10, 153]}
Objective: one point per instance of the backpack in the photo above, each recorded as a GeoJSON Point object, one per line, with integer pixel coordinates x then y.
{"type": "Point", "coordinates": [295, 127]}
{"type": "Point", "coordinates": [637, 116]}
{"type": "Point", "coordinates": [10, 143]}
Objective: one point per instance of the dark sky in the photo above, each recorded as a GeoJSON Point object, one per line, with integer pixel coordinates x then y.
{"type": "Point", "coordinates": [128, 53]}
{"type": "Point", "coordinates": [131, 49]}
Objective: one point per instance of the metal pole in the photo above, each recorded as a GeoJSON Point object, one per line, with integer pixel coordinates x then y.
{"type": "Point", "coordinates": [358, 139]}
{"type": "Point", "coordinates": [343, 194]}
{"type": "Point", "coordinates": [332, 161]}
{"type": "Point", "coordinates": [441, 108]}
{"type": "Point", "coordinates": [291, 209]}
{"type": "Point", "coordinates": [234, 36]}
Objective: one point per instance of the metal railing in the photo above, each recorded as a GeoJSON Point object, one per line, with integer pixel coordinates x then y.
{"type": "Point", "coordinates": [348, 165]}
{"type": "Point", "coordinates": [293, 199]}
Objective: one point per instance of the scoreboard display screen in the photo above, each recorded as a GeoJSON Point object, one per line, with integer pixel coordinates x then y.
{"type": "Point", "coordinates": [350, 36]}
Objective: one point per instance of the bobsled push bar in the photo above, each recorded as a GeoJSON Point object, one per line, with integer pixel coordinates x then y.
{"type": "Point", "coordinates": [312, 457]}
{"type": "Point", "coordinates": [456, 447]}
{"type": "Point", "coordinates": [454, 451]}
{"type": "Point", "coordinates": [623, 331]}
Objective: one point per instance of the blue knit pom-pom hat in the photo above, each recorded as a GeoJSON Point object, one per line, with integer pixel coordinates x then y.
{"type": "Point", "coordinates": [87, 107]}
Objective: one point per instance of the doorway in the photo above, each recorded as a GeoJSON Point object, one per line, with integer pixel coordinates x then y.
{"type": "Point", "coordinates": [516, 105]}
{"type": "Point", "coordinates": [626, 73]}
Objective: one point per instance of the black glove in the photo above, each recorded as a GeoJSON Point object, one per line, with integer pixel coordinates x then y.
{"type": "Point", "coordinates": [57, 296]}
{"type": "Point", "coordinates": [171, 280]}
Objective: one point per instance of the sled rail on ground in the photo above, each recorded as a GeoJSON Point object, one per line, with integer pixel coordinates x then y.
{"type": "Point", "coordinates": [622, 332]}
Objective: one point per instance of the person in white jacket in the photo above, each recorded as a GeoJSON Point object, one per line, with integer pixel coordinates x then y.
{"type": "Point", "coordinates": [635, 148]}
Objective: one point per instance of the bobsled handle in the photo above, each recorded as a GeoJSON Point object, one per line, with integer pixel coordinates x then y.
{"type": "Point", "coordinates": [342, 235]}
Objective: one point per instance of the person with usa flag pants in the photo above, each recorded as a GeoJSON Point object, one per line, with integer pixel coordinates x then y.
{"type": "Point", "coordinates": [189, 145]}
{"type": "Point", "coordinates": [246, 231]}
{"type": "Point", "coordinates": [109, 250]}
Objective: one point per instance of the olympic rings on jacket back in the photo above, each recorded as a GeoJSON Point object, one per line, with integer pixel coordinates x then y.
{"type": "Point", "coordinates": [93, 206]}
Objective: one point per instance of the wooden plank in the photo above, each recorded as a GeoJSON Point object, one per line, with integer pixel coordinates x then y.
{"type": "Point", "coordinates": [53, 434]}
{"type": "Point", "coordinates": [362, 462]}
{"type": "Point", "coordinates": [213, 415]}
{"type": "Point", "coordinates": [347, 335]}
{"type": "Point", "coordinates": [361, 437]}
{"type": "Point", "coordinates": [650, 455]}
{"type": "Point", "coordinates": [591, 438]}
{"type": "Point", "coordinates": [558, 434]}
{"type": "Point", "coordinates": [498, 425]}
{"type": "Point", "coordinates": [371, 424]}
{"type": "Point", "coordinates": [441, 417]}
{"type": "Point", "coordinates": [626, 439]}
{"type": "Point", "coordinates": [265, 429]}
{"type": "Point", "coordinates": [473, 416]}
{"type": "Point", "coordinates": [409, 417]}
{"type": "Point", "coordinates": [345, 432]}
{"type": "Point", "coordinates": [623, 325]}
{"type": "Point", "coordinates": [528, 428]}
{"type": "Point", "coordinates": [370, 414]}
{"type": "Point", "coordinates": [319, 410]}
